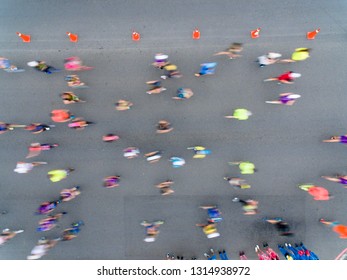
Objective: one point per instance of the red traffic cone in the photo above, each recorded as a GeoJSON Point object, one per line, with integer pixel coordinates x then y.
{"type": "Point", "coordinates": [196, 34]}
{"type": "Point", "coordinates": [26, 38]}
{"type": "Point", "coordinates": [73, 37]}
{"type": "Point", "coordinates": [135, 36]}
{"type": "Point", "coordinates": [312, 34]}
{"type": "Point", "coordinates": [255, 33]}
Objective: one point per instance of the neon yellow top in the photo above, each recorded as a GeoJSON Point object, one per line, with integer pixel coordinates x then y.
{"type": "Point", "coordinates": [241, 114]}
{"type": "Point", "coordinates": [300, 54]}
{"type": "Point", "coordinates": [57, 175]}
{"type": "Point", "coordinates": [246, 167]}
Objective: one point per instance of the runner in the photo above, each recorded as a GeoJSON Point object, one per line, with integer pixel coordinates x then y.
{"type": "Point", "coordinates": [240, 114]}
{"type": "Point", "coordinates": [8, 234]}
{"type": "Point", "coordinates": [69, 194]}
{"type": "Point", "coordinates": [318, 193]}
{"type": "Point", "coordinates": [61, 115]}
{"type": "Point", "coordinates": [36, 148]}
{"type": "Point", "coordinates": [249, 206]}
{"type": "Point", "coordinates": [164, 126]}
{"type": "Point", "coordinates": [206, 69]}
{"type": "Point", "coordinates": [111, 182]}
{"type": "Point", "coordinates": [233, 51]}
{"type": "Point", "coordinates": [285, 99]}
{"type": "Point", "coordinates": [285, 78]}
{"type": "Point", "coordinates": [69, 97]}
{"type": "Point", "coordinates": [337, 139]}
{"type": "Point", "coordinates": [245, 167]}
{"type": "Point", "coordinates": [131, 152]}
{"type": "Point", "coordinates": [25, 167]}
{"type": "Point", "coordinates": [341, 179]}
{"type": "Point", "coordinates": [123, 105]}
{"type": "Point", "coordinates": [337, 227]}
{"type": "Point", "coordinates": [59, 174]}
{"type": "Point", "coordinates": [165, 187]}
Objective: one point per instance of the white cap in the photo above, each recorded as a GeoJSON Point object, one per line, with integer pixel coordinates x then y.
{"type": "Point", "coordinates": [295, 96]}
{"type": "Point", "coordinates": [161, 56]}
{"type": "Point", "coordinates": [295, 75]}
{"type": "Point", "coordinates": [273, 55]}
{"type": "Point", "coordinates": [33, 63]}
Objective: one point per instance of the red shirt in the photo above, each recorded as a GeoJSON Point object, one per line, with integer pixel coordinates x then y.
{"type": "Point", "coordinates": [285, 77]}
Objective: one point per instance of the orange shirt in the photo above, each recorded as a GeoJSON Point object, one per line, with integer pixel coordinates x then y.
{"type": "Point", "coordinates": [341, 230]}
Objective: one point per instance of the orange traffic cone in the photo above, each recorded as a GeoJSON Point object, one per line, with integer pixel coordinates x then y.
{"type": "Point", "coordinates": [312, 34]}
{"type": "Point", "coordinates": [73, 37]}
{"type": "Point", "coordinates": [196, 34]}
{"type": "Point", "coordinates": [135, 36]}
{"type": "Point", "coordinates": [25, 37]}
{"type": "Point", "coordinates": [255, 33]}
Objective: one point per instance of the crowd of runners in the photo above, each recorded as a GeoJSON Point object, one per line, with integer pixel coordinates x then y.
{"type": "Point", "coordinates": [166, 70]}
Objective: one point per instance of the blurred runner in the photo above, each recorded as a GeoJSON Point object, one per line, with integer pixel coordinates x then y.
{"type": "Point", "coordinates": [69, 194]}
{"type": "Point", "coordinates": [199, 151]}
{"type": "Point", "coordinates": [165, 187]}
{"type": "Point", "coordinates": [122, 105]}
{"type": "Point", "coordinates": [59, 174]}
{"type": "Point", "coordinates": [111, 182]}
{"type": "Point", "coordinates": [164, 126]}
{"type": "Point", "coordinates": [318, 193]}
{"type": "Point", "coordinates": [36, 148]}
{"type": "Point", "coordinates": [337, 227]}
{"type": "Point", "coordinates": [61, 115]}
{"type": "Point", "coordinates": [268, 59]}
{"type": "Point", "coordinates": [233, 51]}
{"type": "Point", "coordinates": [341, 179]}
{"type": "Point", "coordinates": [25, 167]}
{"type": "Point", "coordinates": [6, 65]}
{"type": "Point", "coordinates": [337, 139]}
{"type": "Point", "coordinates": [161, 60]}
{"type": "Point", "coordinates": [299, 54]}
{"type": "Point", "coordinates": [246, 167]}
{"type": "Point", "coordinates": [79, 124]}
{"type": "Point", "coordinates": [177, 162]}
{"type": "Point", "coordinates": [237, 182]}
{"type": "Point", "coordinates": [37, 128]}
{"type": "Point", "coordinates": [282, 227]}
{"type": "Point", "coordinates": [8, 234]}
{"type": "Point", "coordinates": [240, 114]}
{"type": "Point", "coordinates": [71, 233]}
{"type": "Point", "coordinates": [4, 127]}
{"type": "Point", "coordinates": [131, 152]}
{"type": "Point", "coordinates": [42, 66]}
{"type": "Point", "coordinates": [50, 222]}
{"type": "Point", "coordinates": [74, 63]}
{"type": "Point", "coordinates": [206, 69]}
{"type": "Point", "coordinates": [285, 99]}
{"type": "Point", "coordinates": [153, 157]}
{"type": "Point", "coordinates": [183, 93]}
{"type": "Point", "coordinates": [249, 206]}
{"type": "Point", "coordinates": [285, 78]}
{"type": "Point", "coordinates": [42, 247]}
{"type": "Point", "coordinates": [152, 230]}
{"type": "Point", "coordinates": [74, 81]}
{"type": "Point", "coordinates": [70, 98]}
{"type": "Point", "coordinates": [110, 137]}
{"type": "Point", "coordinates": [156, 87]}
{"type": "Point", "coordinates": [171, 71]}
{"type": "Point", "coordinates": [47, 207]}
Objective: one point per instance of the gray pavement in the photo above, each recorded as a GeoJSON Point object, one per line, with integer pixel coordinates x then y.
{"type": "Point", "coordinates": [283, 142]}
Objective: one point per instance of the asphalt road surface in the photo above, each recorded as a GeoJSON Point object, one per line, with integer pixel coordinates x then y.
{"type": "Point", "coordinates": [284, 142]}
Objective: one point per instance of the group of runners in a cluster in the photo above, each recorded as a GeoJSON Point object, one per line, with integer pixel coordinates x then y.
{"type": "Point", "coordinates": [49, 220]}
{"type": "Point", "coordinates": [209, 227]}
